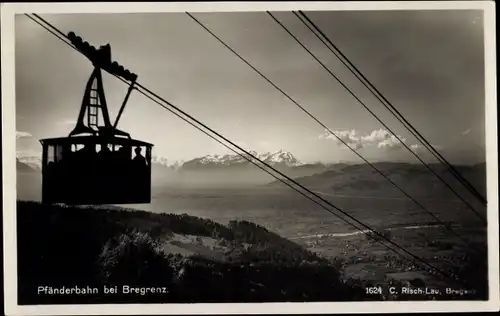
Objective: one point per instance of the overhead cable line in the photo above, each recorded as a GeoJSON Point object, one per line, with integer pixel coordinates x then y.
{"type": "Point", "coordinates": [186, 117]}
{"type": "Point", "coordinates": [371, 112]}
{"type": "Point", "coordinates": [388, 105]}
{"type": "Point", "coordinates": [327, 128]}
{"type": "Point", "coordinates": [378, 119]}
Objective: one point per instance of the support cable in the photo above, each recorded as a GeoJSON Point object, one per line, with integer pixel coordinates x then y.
{"type": "Point", "coordinates": [388, 105]}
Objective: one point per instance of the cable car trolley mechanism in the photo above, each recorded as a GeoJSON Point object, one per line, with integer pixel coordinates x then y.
{"type": "Point", "coordinates": [97, 163]}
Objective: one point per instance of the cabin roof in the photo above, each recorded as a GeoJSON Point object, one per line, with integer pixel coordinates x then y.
{"type": "Point", "coordinates": [94, 140]}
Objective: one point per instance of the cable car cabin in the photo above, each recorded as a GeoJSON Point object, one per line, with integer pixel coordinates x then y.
{"type": "Point", "coordinates": [97, 163]}
{"type": "Point", "coordinates": [96, 170]}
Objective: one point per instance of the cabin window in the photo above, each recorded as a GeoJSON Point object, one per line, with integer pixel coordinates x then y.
{"type": "Point", "coordinates": [55, 153]}
{"type": "Point", "coordinates": [148, 153]}
{"type": "Point", "coordinates": [59, 152]}
{"type": "Point", "coordinates": [51, 154]}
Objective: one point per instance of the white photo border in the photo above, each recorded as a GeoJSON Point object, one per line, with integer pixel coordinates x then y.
{"type": "Point", "coordinates": [8, 11]}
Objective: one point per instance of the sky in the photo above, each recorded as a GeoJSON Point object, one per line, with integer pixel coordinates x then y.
{"type": "Point", "coordinates": [429, 64]}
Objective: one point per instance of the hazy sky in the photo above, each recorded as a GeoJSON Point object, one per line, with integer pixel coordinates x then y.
{"type": "Point", "coordinates": [429, 64]}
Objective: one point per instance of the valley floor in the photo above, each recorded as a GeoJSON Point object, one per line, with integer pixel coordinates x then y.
{"type": "Point", "coordinates": [200, 260]}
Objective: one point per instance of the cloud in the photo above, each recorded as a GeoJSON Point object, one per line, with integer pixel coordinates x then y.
{"type": "Point", "coordinates": [20, 134]}
{"type": "Point", "coordinates": [381, 138]}
{"type": "Point", "coordinates": [377, 136]}
{"type": "Point", "coordinates": [467, 131]}
{"type": "Point", "coordinates": [349, 137]}
{"type": "Point", "coordinates": [392, 142]}
{"type": "Point", "coordinates": [419, 148]}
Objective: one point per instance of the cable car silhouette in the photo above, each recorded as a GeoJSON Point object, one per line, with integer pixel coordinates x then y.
{"type": "Point", "coordinates": [97, 163]}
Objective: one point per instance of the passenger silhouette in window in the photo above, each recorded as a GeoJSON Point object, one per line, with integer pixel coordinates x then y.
{"type": "Point", "coordinates": [139, 159]}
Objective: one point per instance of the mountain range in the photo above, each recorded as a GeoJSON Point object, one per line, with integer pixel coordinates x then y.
{"type": "Point", "coordinates": [33, 159]}
{"type": "Point", "coordinates": [277, 158]}
{"type": "Point", "coordinates": [415, 179]}
{"type": "Point", "coordinates": [23, 166]}
{"type": "Point", "coordinates": [342, 177]}
{"type": "Point", "coordinates": [230, 169]}
{"type": "Point", "coordinates": [207, 171]}
{"type": "Point", "coordinates": [280, 159]}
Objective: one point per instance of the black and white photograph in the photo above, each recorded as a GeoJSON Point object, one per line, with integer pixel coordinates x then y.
{"type": "Point", "coordinates": [176, 157]}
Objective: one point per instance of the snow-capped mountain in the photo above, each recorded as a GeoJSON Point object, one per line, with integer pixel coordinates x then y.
{"type": "Point", "coordinates": [22, 167]}
{"type": "Point", "coordinates": [281, 158]}
{"type": "Point", "coordinates": [30, 158]}
{"type": "Point", "coordinates": [233, 170]}
{"type": "Point", "coordinates": [29, 151]}
{"type": "Point", "coordinates": [166, 162]}
{"type": "Point", "coordinates": [220, 159]}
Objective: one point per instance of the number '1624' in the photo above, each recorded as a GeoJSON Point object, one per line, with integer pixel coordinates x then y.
{"type": "Point", "coordinates": [374, 290]}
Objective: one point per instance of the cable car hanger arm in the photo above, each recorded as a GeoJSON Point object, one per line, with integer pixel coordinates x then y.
{"type": "Point", "coordinates": [101, 58]}
{"type": "Point", "coordinates": [130, 88]}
